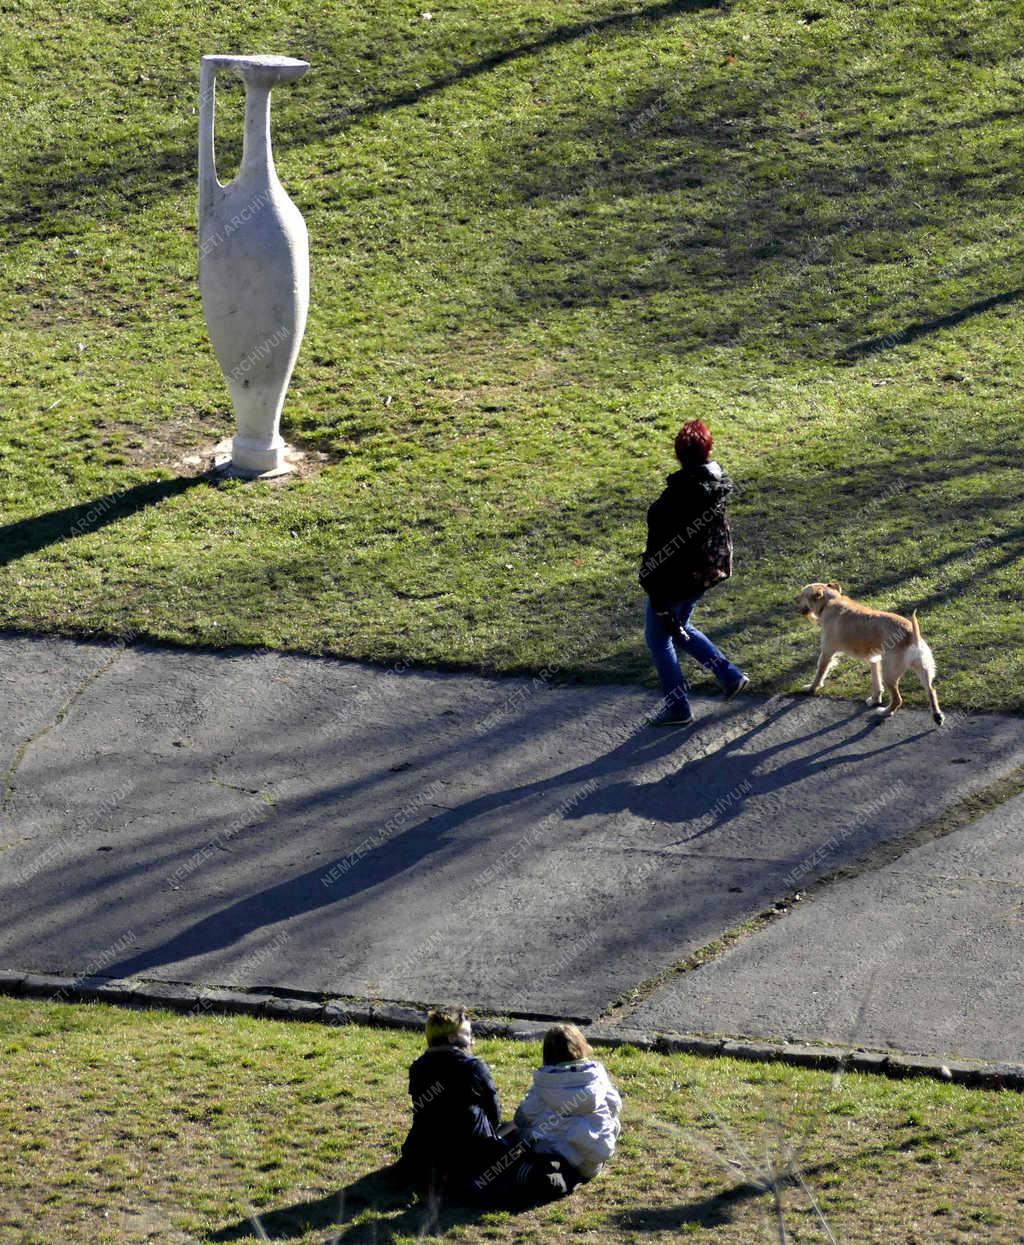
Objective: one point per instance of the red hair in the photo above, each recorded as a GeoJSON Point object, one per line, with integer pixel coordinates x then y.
{"type": "Point", "coordinates": [694, 442]}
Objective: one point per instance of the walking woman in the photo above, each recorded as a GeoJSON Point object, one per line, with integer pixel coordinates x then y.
{"type": "Point", "coordinates": [689, 550]}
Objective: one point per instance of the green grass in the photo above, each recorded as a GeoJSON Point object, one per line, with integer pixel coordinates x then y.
{"type": "Point", "coordinates": [120, 1126]}
{"type": "Point", "coordinates": [543, 234]}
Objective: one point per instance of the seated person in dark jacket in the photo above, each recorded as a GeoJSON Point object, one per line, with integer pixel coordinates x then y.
{"type": "Point", "coordinates": [456, 1114]}
{"type": "Point", "coordinates": [455, 1106]}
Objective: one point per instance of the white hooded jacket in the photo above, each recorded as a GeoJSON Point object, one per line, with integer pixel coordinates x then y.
{"type": "Point", "coordinates": [572, 1109]}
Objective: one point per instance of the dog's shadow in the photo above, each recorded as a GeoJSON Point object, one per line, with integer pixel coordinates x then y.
{"type": "Point", "coordinates": [687, 795]}
{"type": "Point", "coordinates": [400, 1212]}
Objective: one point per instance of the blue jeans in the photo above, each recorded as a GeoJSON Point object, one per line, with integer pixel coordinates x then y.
{"type": "Point", "coordinates": [695, 644]}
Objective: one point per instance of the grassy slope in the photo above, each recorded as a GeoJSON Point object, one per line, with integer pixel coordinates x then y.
{"type": "Point", "coordinates": [542, 236]}
{"type": "Point", "coordinates": [120, 1127]}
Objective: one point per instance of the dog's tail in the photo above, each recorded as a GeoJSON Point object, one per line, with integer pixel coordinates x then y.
{"type": "Point", "coordinates": [927, 660]}
{"type": "Point", "coordinates": [919, 649]}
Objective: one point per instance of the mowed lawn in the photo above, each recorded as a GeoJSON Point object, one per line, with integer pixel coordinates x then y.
{"type": "Point", "coordinates": [543, 234]}
{"type": "Point", "coordinates": [120, 1126]}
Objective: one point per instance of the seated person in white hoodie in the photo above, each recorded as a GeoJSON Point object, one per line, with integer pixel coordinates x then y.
{"type": "Point", "coordinates": [572, 1109]}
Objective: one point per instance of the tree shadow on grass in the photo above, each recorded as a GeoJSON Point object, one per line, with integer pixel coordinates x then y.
{"type": "Point", "coordinates": [28, 536]}
{"type": "Point", "coordinates": [399, 1212]}
{"type": "Point", "coordinates": [715, 1211]}
{"type": "Point", "coordinates": [728, 250]}
{"type": "Point", "coordinates": [558, 37]}
{"type": "Point", "coordinates": [888, 341]}
{"type": "Point", "coordinates": [143, 178]}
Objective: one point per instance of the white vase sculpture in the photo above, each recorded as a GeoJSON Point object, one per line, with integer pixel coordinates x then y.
{"type": "Point", "coordinates": [253, 263]}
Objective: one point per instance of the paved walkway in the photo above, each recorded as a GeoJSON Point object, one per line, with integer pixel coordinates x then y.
{"type": "Point", "coordinates": [925, 955]}
{"type": "Point", "coordinates": [265, 820]}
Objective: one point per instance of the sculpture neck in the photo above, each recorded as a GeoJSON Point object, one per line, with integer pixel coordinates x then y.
{"type": "Point", "coordinates": [208, 184]}
{"type": "Point", "coordinates": [257, 157]}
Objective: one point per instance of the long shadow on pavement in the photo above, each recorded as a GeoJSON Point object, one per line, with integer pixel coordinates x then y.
{"type": "Point", "coordinates": [335, 837]}
{"type": "Point", "coordinates": [398, 854]}
{"type": "Point", "coordinates": [659, 799]}
{"type": "Point", "coordinates": [382, 863]}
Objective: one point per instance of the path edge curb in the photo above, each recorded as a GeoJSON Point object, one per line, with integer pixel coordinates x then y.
{"type": "Point", "coordinates": [336, 1010]}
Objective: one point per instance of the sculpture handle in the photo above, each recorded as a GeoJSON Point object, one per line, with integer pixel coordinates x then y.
{"type": "Point", "coordinates": [210, 188]}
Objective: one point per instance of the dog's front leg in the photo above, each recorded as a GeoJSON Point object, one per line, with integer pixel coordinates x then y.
{"type": "Point", "coordinates": [825, 663]}
{"type": "Point", "coordinates": [877, 687]}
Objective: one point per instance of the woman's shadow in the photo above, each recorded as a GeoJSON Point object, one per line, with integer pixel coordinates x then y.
{"type": "Point", "coordinates": [402, 1212]}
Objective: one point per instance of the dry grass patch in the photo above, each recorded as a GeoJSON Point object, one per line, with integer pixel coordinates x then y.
{"type": "Point", "coordinates": [118, 1127]}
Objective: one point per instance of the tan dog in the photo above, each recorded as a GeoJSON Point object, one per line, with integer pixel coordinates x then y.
{"type": "Point", "coordinates": [889, 643]}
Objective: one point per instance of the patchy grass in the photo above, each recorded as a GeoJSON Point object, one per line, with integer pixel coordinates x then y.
{"type": "Point", "coordinates": [120, 1126]}
{"type": "Point", "coordinates": [543, 234]}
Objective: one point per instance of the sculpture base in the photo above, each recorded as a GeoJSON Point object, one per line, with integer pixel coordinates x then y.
{"type": "Point", "coordinates": [226, 461]}
{"type": "Point", "coordinates": [257, 457]}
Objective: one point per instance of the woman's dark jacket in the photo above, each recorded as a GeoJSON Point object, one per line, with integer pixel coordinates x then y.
{"type": "Point", "coordinates": [689, 547]}
{"type": "Point", "coordinates": [455, 1111]}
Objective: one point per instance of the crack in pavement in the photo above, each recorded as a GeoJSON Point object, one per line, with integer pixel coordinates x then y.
{"type": "Point", "coordinates": [58, 718]}
{"type": "Point", "coordinates": [977, 878]}
{"type": "Point", "coordinates": [258, 792]}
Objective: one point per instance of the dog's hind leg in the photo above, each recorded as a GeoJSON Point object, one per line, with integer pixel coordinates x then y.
{"type": "Point", "coordinates": [925, 671]}
{"type": "Point", "coordinates": [892, 686]}
{"type": "Point", "coordinates": [826, 662]}
{"type": "Point", "coordinates": [894, 667]}
{"type": "Point", "coordinates": [877, 689]}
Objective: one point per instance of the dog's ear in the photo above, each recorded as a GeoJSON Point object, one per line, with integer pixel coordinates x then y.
{"type": "Point", "coordinates": [836, 586]}
{"type": "Point", "coordinates": [817, 594]}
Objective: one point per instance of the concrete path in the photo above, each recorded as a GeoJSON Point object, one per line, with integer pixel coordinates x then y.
{"type": "Point", "coordinates": [265, 820]}
{"type": "Point", "coordinates": [925, 956]}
